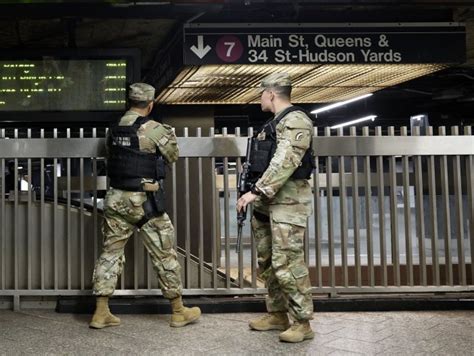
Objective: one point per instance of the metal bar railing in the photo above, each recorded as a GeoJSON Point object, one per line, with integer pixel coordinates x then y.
{"type": "Point", "coordinates": [433, 216]}
{"type": "Point", "coordinates": [331, 247]}
{"type": "Point", "coordinates": [226, 216]}
{"type": "Point", "coordinates": [81, 215]}
{"type": "Point", "coordinates": [30, 225]}
{"type": "Point", "coordinates": [3, 219]}
{"type": "Point", "coordinates": [381, 205]}
{"type": "Point", "coordinates": [215, 254]}
{"type": "Point", "coordinates": [95, 240]}
{"type": "Point", "coordinates": [470, 199]}
{"type": "Point", "coordinates": [343, 216]}
{"type": "Point", "coordinates": [394, 215]}
{"type": "Point", "coordinates": [68, 219]}
{"type": "Point", "coordinates": [355, 215]}
{"type": "Point", "coordinates": [219, 146]}
{"type": "Point", "coordinates": [42, 221]}
{"type": "Point", "coordinates": [187, 226]}
{"type": "Point", "coordinates": [459, 214]}
{"type": "Point", "coordinates": [407, 215]}
{"type": "Point", "coordinates": [317, 220]}
{"type": "Point", "coordinates": [55, 219]}
{"type": "Point", "coordinates": [15, 222]}
{"type": "Point", "coordinates": [447, 216]}
{"type": "Point", "coordinates": [201, 218]}
{"type": "Point", "coordinates": [422, 185]}
{"type": "Point", "coordinates": [368, 215]}
{"type": "Point", "coordinates": [420, 215]}
{"type": "Point", "coordinates": [241, 250]}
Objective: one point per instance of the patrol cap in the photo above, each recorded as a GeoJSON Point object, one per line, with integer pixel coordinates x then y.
{"type": "Point", "coordinates": [279, 79]}
{"type": "Point", "coordinates": [141, 92]}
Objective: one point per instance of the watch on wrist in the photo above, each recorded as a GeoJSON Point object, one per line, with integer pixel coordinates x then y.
{"type": "Point", "coordinates": [255, 191]}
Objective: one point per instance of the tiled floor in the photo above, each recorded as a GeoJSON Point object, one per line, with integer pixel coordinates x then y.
{"type": "Point", "coordinates": [42, 332]}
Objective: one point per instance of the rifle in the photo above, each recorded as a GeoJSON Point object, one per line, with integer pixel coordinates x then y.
{"type": "Point", "coordinates": [243, 186]}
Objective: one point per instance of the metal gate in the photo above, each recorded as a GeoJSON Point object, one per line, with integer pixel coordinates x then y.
{"type": "Point", "coordinates": [393, 213]}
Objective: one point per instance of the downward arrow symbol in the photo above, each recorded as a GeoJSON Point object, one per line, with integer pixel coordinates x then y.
{"type": "Point", "coordinates": [200, 50]}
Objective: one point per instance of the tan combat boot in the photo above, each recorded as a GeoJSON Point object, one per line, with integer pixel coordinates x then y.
{"type": "Point", "coordinates": [299, 331]}
{"type": "Point", "coordinates": [181, 315]}
{"type": "Point", "coordinates": [102, 316]}
{"type": "Point", "coordinates": [271, 321]}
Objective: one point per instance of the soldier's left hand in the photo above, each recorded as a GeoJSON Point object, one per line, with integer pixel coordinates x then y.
{"type": "Point", "coordinates": [245, 200]}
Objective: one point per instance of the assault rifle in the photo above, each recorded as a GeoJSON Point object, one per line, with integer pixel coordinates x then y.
{"type": "Point", "coordinates": [243, 186]}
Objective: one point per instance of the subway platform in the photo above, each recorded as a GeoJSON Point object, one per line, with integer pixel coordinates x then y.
{"type": "Point", "coordinates": [44, 331]}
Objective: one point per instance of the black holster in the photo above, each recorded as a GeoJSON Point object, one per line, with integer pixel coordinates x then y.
{"type": "Point", "coordinates": [261, 217]}
{"type": "Point", "coordinates": [153, 206]}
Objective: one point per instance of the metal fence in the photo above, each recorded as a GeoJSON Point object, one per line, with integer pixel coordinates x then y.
{"type": "Point", "coordinates": [393, 213]}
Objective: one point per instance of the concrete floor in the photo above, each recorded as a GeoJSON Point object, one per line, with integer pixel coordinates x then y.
{"type": "Point", "coordinates": [43, 332]}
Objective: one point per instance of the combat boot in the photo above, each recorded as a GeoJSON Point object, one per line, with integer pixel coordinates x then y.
{"type": "Point", "coordinates": [271, 321]}
{"type": "Point", "coordinates": [182, 315]}
{"type": "Point", "coordinates": [102, 316]}
{"type": "Point", "coordinates": [299, 331]}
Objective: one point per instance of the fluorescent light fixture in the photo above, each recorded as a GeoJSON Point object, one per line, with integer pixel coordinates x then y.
{"type": "Point", "coordinates": [335, 105]}
{"type": "Point", "coordinates": [365, 118]}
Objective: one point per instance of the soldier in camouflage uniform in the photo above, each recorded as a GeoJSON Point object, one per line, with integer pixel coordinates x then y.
{"type": "Point", "coordinates": [124, 210]}
{"type": "Point", "coordinates": [282, 205]}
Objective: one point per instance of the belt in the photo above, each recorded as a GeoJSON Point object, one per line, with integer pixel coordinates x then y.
{"type": "Point", "coordinates": [134, 185]}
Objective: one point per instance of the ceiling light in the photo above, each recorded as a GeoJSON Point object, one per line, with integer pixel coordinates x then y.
{"type": "Point", "coordinates": [336, 105]}
{"type": "Point", "coordinates": [365, 118]}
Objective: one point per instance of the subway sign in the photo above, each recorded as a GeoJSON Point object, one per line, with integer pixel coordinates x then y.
{"type": "Point", "coordinates": [324, 43]}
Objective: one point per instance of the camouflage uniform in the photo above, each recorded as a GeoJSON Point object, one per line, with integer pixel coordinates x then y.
{"type": "Point", "coordinates": [123, 210]}
{"type": "Point", "coordinates": [287, 203]}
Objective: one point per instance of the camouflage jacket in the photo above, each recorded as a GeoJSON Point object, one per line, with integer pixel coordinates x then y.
{"type": "Point", "coordinates": [152, 134]}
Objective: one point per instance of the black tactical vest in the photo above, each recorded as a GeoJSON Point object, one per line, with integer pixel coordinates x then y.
{"type": "Point", "coordinates": [126, 164]}
{"type": "Point", "coordinates": [262, 151]}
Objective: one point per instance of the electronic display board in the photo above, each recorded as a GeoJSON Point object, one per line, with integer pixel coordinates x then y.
{"type": "Point", "coordinates": [62, 84]}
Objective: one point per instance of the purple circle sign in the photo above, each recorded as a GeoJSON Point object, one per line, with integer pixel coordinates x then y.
{"type": "Point", "coordinates": [229, 48]}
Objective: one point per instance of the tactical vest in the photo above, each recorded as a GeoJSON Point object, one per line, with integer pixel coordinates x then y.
{"type": "Point", "coordinates": [262, 151]}
{"type": "Point", "coordinates": [126, 164]}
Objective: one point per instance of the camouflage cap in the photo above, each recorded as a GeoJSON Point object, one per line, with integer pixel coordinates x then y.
{"type": "Point", "coordinates": [281, 79]}
{"type": "Point", "coordinates": [141, 92]}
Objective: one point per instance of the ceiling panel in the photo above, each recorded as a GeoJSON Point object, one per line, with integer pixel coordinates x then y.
{"type": "Point", "coordinates": [238, 84]}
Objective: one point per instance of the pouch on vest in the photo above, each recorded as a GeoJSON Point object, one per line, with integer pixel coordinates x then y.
{"type": "Point", "coordinates": [160, 168]}
{"type": "Point", "coordinates": [261, 155]}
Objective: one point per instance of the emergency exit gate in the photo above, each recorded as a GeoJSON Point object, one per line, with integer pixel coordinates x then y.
{"type": "Point", "coordinates": [393, 213]}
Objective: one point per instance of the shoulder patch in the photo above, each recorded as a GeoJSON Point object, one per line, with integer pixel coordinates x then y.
{"type": "Point", "coordinates": [163, 141]}
{"type": "Point", "coordinates": [299, 136]}
{"type": "Point", "coordinates": [297, 120]}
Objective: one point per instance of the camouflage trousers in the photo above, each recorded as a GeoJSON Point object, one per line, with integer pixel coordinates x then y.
{"type": "Point", "coordinates": [281, 263]}
{"type": "Point", "coordinates": [122, 210]}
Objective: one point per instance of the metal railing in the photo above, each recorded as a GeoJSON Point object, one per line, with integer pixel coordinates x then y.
{"type": "Point", "coordinates": [392, 213]}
